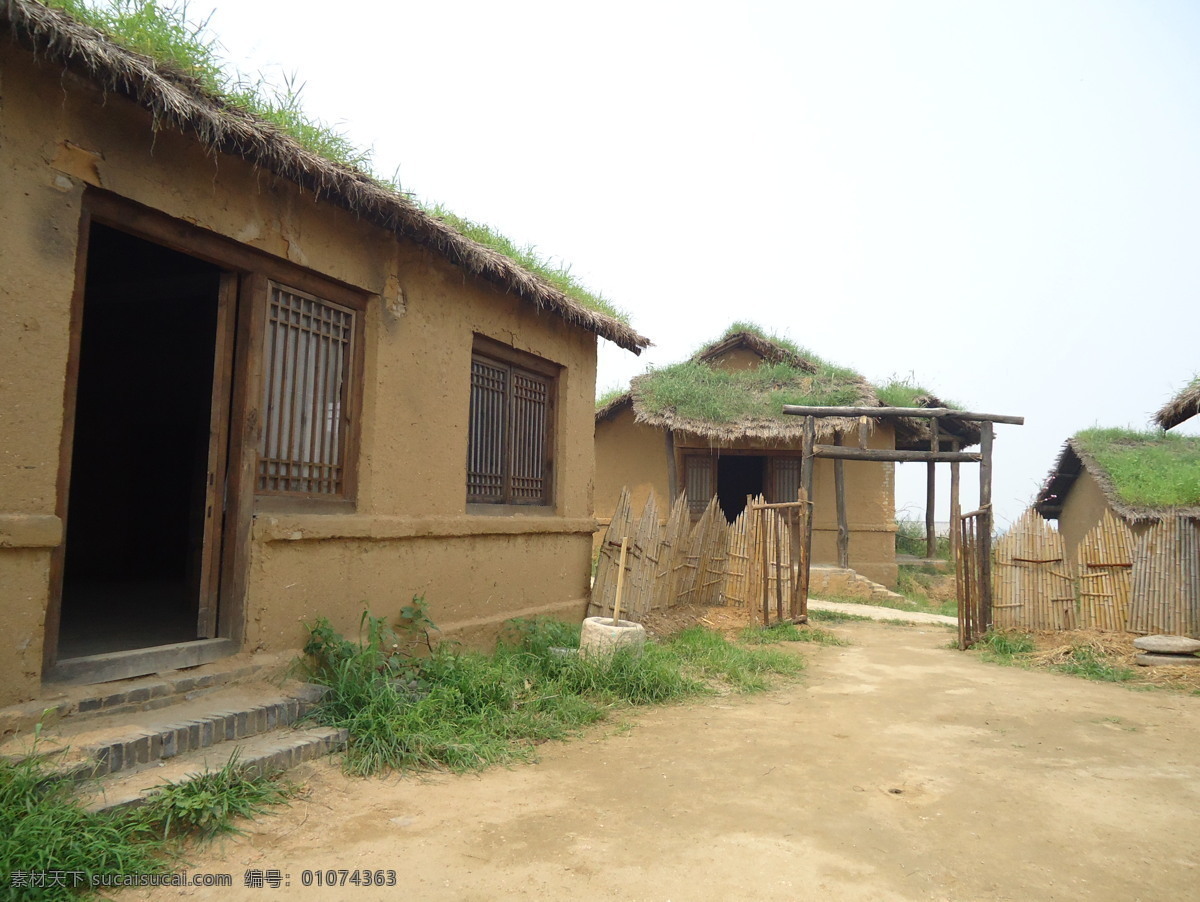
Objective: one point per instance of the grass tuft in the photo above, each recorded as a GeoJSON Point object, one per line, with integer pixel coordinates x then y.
{"type": "Point", "coordinates": [463, 710]}
{"type": "Point", "coordinates": [789, 632]}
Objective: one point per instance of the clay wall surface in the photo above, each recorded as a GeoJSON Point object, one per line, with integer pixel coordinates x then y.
{"type": "Point", "coordinates": [58, 136]}
{"type": "Point", "coordinates": [1083, 508]}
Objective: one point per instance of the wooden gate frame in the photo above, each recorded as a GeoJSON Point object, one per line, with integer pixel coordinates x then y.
{"type": "Point", "coordinates": [837, 452]}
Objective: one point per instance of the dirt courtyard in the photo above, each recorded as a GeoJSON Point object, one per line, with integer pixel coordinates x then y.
{"type": "Point", "coordinates": [897, 769]}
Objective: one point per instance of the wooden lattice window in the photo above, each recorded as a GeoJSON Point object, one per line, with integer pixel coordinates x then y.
{"type": "Point", "coordinates": [783, 479]}
{"type": "Point", "coordinates": [307, 362]}
{"type": "Point", "coordinates": [509, 445]}
{"type": "Point", "coordinates": [700, 480]}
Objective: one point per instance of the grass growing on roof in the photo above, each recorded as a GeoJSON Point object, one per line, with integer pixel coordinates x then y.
{"type": "Point", "coordinates": [1147, 469]}
{"type": "Point", "coordinates": [163, 32]}
{"type": "Point", "coordinates": [697, 391]}
{"type": "Point", "coordinates": [903, 393]}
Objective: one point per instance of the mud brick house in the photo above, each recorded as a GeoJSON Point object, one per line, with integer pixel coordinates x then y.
{"type": "Point", "coordinates": [242, 386]}
{"type": "Point", "coordinates": [713, 425]}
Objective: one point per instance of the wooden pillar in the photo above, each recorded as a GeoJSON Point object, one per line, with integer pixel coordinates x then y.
{"type": "Point", "coordinates": [839, 489]}
{"type": "Point", "coordinates": [807, 463]}
{"type": "Point", "coordinates": [931, 493]}
{"type": "Point", "coordinates": [672, 469]}
{"type": "Point", "coordinates": [955, 505]}
{"type": "Point", "coordinates": [985, 525]}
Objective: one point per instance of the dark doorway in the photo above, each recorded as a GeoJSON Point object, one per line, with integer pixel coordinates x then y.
{"type": "Point", "coordinates": [738, 476]}
{"type": "Point", "coordinates": [135, 543]}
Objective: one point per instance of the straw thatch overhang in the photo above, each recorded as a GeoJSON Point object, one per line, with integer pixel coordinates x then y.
{"type": "Point", "coordinates": [1072, 461]}
{"type": "Point", "coordinates": [1182, 407]}
{"type": "Point", "coordinates": [176, 100]}
{"type": "Point", "coordinates": [781, 428]}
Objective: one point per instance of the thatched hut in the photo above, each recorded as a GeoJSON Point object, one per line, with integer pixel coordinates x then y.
{"type": "Point", "coordinates": [1142, 477]}
{"type": "Point", "coordinates": [245, 386]}
{"type": "Point", "coordinates": [714, 425]}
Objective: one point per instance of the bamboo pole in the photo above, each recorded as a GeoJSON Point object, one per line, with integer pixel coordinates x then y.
{"type": "Point", "coordinates": [931, 493]}
{"type": "Point", "coordinates": [616, 621]}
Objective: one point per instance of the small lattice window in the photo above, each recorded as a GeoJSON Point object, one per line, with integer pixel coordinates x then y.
{"type": "Point", "coordinates": [509, 437]}
{"type": "Point", "coordinates": [784, 479]}
{"type": "Point", "coordinates": [307, 364]}
{"type": "Point", "coordinates": [699, 474]}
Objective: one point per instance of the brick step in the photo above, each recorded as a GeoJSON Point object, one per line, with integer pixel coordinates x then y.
{"type": "Point", "coordinates": [81, 749]}
{"type": "Point", "coordinates": [274, 751]}
{"type": "Point", "coordinates": [78, 703]}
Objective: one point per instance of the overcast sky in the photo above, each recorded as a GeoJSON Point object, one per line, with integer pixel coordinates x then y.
{"type": "Point", "coordinates": [998, 199]}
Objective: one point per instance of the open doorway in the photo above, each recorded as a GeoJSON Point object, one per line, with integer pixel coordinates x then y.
{"type": "Point", "coordinates": [140, 552]}
{"type": "Point", "coordinates": [739, 475]}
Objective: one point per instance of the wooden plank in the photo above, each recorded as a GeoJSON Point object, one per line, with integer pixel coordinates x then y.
{"type": "Point", "coordinates": [915, 412]}
{"type": "Point", "coordinates": [931, 493]}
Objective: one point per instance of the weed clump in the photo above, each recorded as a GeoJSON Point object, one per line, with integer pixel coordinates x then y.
{"type": "Point", "coordinates": [461, 710]}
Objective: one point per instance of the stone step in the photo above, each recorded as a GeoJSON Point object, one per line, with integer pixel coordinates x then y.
{"type": "Point", "coordinates": [95, 748]}
{"type": "Point", "coordinates": [271, 752]}
{"type": "Point", "coordinates": [77, 703]}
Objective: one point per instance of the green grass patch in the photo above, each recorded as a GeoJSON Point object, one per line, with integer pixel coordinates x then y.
{"type": "Point", "coordinates": [1083, 661]}
{"type": "Point", "coordinates": [462, 710]}
{"type": "Point", "coordinates": [836, 616]}
{"type": "Point", "coordinates": [1005, 647]}
{"type": "Point", "coordinates": [1147, 469]}
{"type": "Point", "coordinates": [43, 828]}
{"type": "Point", "coordinates": [697, 391]}
{"type": "Point", "coordinates": [790, 632]}
{"type": "Point", "coordinates": [163, 32]}
{"type": "Point", "coordinates": [906, 393]}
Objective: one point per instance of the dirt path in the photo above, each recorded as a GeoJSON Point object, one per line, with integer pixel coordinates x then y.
{"type": "Point", "coordinates": [876, 612]}
{"type": "Point", "coordinates": [898, 770]}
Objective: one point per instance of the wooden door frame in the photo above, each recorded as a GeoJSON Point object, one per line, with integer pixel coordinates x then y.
{"type": "Point", "coordinates": [237, 386]}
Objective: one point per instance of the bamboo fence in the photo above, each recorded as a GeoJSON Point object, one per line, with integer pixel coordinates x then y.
{"type": "Point", "coordinates": [1118, 581]}
{"type": "Point", "coordinates": [1033, 585]}
{"type": "Point", "coordinates": [1104, 568]}
{"type": "Point", "coordinates": [1166, 580]}
{"type": "Point", "coordinates": [712, 562]}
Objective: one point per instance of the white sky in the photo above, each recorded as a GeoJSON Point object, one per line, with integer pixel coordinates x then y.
{"type": "Point", "coordinates": [1000, 199]}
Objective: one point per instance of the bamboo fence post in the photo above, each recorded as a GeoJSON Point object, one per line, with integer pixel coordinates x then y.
{"type": "Point", "coordinates": [984, 528]}
{"type": "Point", "coordinates": [620, 582]}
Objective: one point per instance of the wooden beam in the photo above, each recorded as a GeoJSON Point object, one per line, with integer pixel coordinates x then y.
{"type": "Point", "coordinates": [837, 452]}
{"type": "Point", "coordinates": [916, 412]}
{"type": "Point", "coordinates": [672, 468]}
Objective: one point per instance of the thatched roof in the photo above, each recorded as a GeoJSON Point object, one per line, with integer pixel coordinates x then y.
{"type": "Point", "coordinates": [1183, 406]}
{"type": "Point", "coordinates": [1143, 476]}
{"type": "Point", "coordinates": [176, 100]}
{"type": "Point", "coordinates": [723, 405]}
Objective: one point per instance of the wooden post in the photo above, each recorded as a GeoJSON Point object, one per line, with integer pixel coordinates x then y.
{"type": "Point", "coordinates": [672, 469]}
{"type": "Point", "coordinates": [807, 463]}
{"type": "Point", "coordinates": [764, 547]}
{"type": "Point", "coordinates": [864, 428]}
{"type": "Point", "coordinates": [984, 538]}
{"type": "Point", "coordinates": [931, 493]}
{"type": "Point", "coordinates": [620, 582]}
{"type": "Point", "coordinates": [839, 490]}
{"type": "Point", "coordinates": [955, 505]}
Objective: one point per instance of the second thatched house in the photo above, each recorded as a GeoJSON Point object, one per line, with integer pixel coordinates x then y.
{"type": "Point", "coordinates": [713, 426]}
{"type": "Point", "coordinates": [1142, 477]}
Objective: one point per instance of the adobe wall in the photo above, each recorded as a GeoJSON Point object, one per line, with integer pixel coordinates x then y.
{"type": "Point", "coordinates": [634, 455]}
{"type": "Point", "coordinates": [1083, 508]}
{"type": "Point", "coordinates": [411, 531]}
